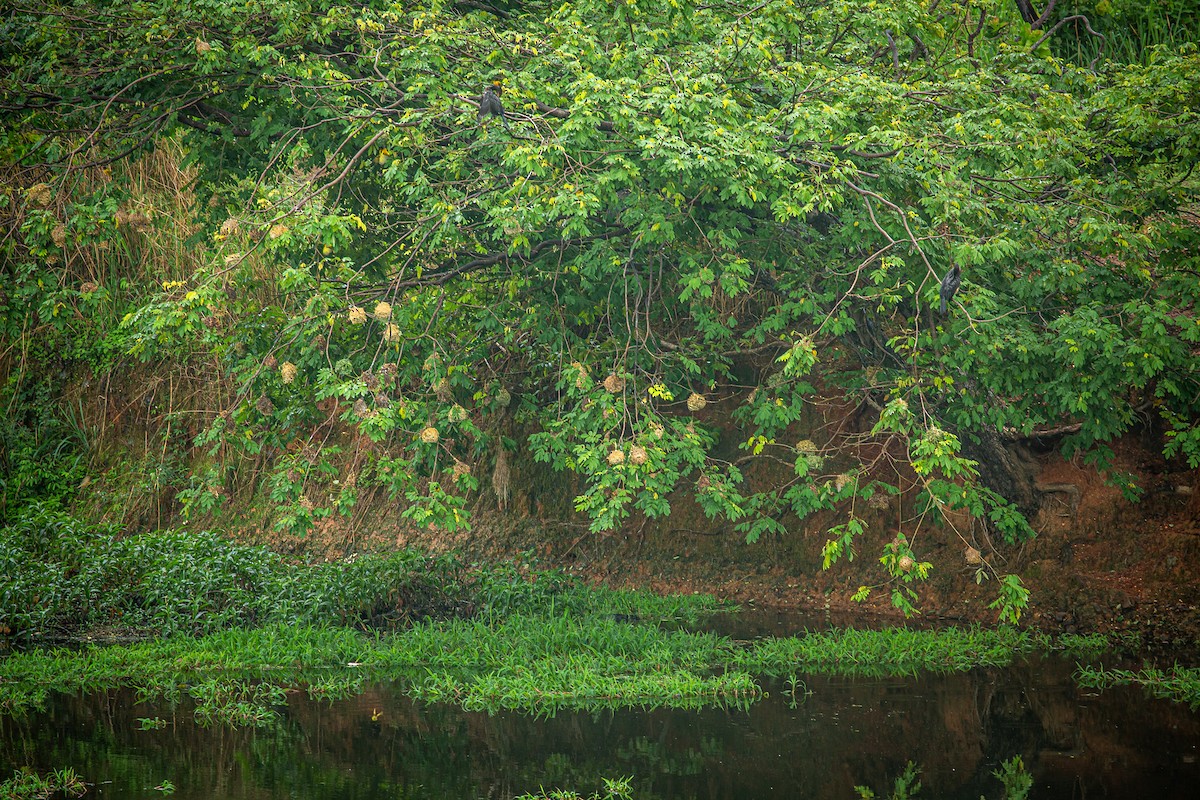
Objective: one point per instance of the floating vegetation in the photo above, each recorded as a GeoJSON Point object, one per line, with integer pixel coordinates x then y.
{"type": "Point", "coordinates": [26, 784]}
{"type": "Point", "coordinates": [536, 662]}
{"type": "Point", "coordinates": [1179, 684]}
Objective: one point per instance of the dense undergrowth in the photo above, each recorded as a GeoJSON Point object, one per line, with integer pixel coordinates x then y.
{"type": "Point", "coordinates": [61, 577]}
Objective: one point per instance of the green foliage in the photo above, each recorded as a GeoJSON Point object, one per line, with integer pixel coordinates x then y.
{"type": "Point", "coordinates": [62, 577]}
{"type": "Point", "coordinates": [1011, 774]}
{"type": "Point", "coordinates": [906, 786]}
{"type": "Point", "coordinates": [614, 789]}
{"type": "Point", "coordinates": [1017, 782]}
{"type": "Point", "coordinates": [1179, 684]}
{"type": "Point", "coordinates": [730, 212]}
{"type": "Point", "coordinates": [26, 784]}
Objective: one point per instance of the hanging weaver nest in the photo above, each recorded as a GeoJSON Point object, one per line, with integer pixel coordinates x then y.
{"type": "Point", "coordinates": [806, 446]}
{"type": "Point", "coordinates": [202, 46]}
{"type": "Point", "coordinates": [265, 406]}
{"type": "Point", "coordinates": [503, 397]}
{"type": "Point", "coordinates": [277, 230]}
{"type": "Point", "coordinates": [657, 430]}
{"type": "Point", "coordinates": [40, 195]}
{"type": "Point", "coordinates": [841, 481]}
{"type": "Point", "coordinates": [616, 456]}
{"type": "Point", "coordinates": [305, 503]}
{"type": "Point", "coordinates": [134, 220]}
{"type": "Point", "coordinates": [442, 390]}
{"type": "Point", "coordinates": [358, 316]}
{"type": "Point", "coordinates": [88, 287]}
{"type": "Point", "coordinates": [361, 408]}
{"type": "Point", "coordinates": [637, 454]}
{"type": "Point", "coordinates": [614, 384]}
{"type": "Point", "coordinates": [388, 372]}
{"type": "Point", "coordinates": [391, 333]}
{"type": "Point", "coordinates": [696, 402]}
{"type": "Point", "coordinates": [582, 379]}
{"type": "Point", "coordinates": [432, 362]}
{"type": "Point", "coordinates": [460, 469]}
{"type": "Point", "coordinates": [382, 400]}
{"type": "Point", "coordinates": [973, 556]}
{"type": "Point", "coordinates": [229, 227]}
{"type": "Point", "coordinates": [233, 259]}
{"type": "Point", "coordinates": [370, 380]}
{"type": "Point", "coordinates": [59, 236]}
{"type": "Point", "coordinates": [878, 500]}
{"type": "Point", "coordinates": [383, 311]}
{"type": "Point", "coordinates": [270, 362]}
{"type": "Point", "coordinates": [429, 435]}
{"type": "Point", "coordinates": [457, 413]}
{"type": "Point", "coordinates": [287, 372]}
{"type": "Point", "coordinates": [703, 482]}
{"type": "Point", "coordinates": [905, 563]}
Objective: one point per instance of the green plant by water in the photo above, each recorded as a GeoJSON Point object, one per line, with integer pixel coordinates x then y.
{"type": "Point", "coordinates": [27, 784]}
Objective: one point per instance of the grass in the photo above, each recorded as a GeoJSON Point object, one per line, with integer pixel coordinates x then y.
{"type": "Point", "coordinates": [536, 663]}
{"type": "Point", "coordinates": [29, 785]}
{"type": "Point", "coordinates": [1179, 684]}
{"type": "Point", "coordinates": [896, 651]}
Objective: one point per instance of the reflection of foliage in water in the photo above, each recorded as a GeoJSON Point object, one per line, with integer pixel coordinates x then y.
{"type": "Point", "coordinates": [658, 758]}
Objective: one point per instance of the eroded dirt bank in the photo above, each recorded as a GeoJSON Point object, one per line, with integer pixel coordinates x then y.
{"type": "Point", "coordinates": [1099, 562]}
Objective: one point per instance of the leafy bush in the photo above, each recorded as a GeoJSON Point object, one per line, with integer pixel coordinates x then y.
{"type": "Point", "coordinates": [60, 576]}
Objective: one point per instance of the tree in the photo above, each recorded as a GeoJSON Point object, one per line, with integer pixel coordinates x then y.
{"type": "Point", "coordinates": [699, 211]}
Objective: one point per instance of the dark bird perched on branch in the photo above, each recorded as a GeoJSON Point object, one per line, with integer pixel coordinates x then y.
{"type": "Point", "coordinates": [950, 285]}
{"type": "Point", "coordinates": [490, 105]}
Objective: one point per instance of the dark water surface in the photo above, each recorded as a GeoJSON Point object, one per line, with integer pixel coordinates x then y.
{"type": "Point", "coordinates": [835, 734]}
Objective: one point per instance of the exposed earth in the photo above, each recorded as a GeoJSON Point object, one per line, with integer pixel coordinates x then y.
{"type": "Point", "coordinates": [1099, 562]}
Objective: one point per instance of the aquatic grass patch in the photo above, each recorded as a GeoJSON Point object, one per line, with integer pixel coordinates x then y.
{"type": "Point", "coordinates": [535, 663]}
{"type": "Point", "coordinates": [547, 688]}
{"type": "Point", "coordinates": [26, 784]}
{"type": "Point", "coordinates": [892, 651]}
{"type": "Point", "coordinates": [237, 703]}
{"type": "Point", "coordinates": [613, 789]}
{"type": "Point", "coordinates": [1179, 684]}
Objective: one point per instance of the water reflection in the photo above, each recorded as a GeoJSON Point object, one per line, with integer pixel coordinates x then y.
{"type": "Point", "coordinates": [841, 733]}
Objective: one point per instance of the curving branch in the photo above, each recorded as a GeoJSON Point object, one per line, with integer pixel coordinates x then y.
{"type": "Point", "coordinates": [1086, 24]}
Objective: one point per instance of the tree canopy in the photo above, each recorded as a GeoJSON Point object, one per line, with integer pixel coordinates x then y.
{"type": "Point", "coordinates": [694, 219]}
